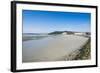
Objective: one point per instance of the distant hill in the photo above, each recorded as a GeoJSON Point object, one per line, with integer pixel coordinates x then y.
{"type": "Point", "coordinates": [68, 32]}
{"type": "Point", "coordinates": [60, 32]}
{"type": "Point", "coordinates": [56, 32]}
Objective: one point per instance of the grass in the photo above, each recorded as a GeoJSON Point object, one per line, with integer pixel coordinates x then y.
{"type": "Point", "coordinates": [85, 52]}
{"type": "Point", "coordinates": [82, 54]}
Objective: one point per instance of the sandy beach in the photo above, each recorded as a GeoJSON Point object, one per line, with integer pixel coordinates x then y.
{"type": "Point", "coordinates": [52, 48]}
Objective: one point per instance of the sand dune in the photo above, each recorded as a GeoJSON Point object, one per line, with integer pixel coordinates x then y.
{"type": "Point", "coordinates": [51, 48]}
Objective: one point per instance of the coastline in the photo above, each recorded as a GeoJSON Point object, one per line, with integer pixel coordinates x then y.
{"type": "Point", "coordinates": [79, 54]}
{"type": "Point", "coordinates": [56, 48]}
{"type": "Point", "coordinates": [85, 52]}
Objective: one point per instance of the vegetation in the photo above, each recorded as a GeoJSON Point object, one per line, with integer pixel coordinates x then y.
{"type": "Point", "coordinates": [56, 32]}
{"type": "Point", "coordinates": [60, 32]}
{"type": "Point", "coordinates": [85, 52]}
{"type": "Point", "coordinates": [82, 54]}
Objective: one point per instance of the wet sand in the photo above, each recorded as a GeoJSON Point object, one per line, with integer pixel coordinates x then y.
{"type": "Point", "coordinates": [52, 48]}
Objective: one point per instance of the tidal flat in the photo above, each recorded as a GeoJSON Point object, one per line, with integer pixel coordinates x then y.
{"type": "Point", "coordinates": [52, 47]}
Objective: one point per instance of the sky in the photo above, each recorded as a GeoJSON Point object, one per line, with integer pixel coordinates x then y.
{"type": "Point", "coordinates": [35, 21]}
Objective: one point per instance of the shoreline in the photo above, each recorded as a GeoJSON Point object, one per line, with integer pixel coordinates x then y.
{"type": "Point", "coordinates": [85, 52]}
{"type": "Point", "coordinates": [80, 54]}
{"type": "Point", "coordinates": [48, 46]}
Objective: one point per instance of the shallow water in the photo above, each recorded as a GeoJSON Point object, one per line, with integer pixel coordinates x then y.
{"type": "Point", "coordinates": [51, 48]}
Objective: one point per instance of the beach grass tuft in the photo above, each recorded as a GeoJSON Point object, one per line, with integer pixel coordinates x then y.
{"type": "Point", "coordinates": [85, 52]}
